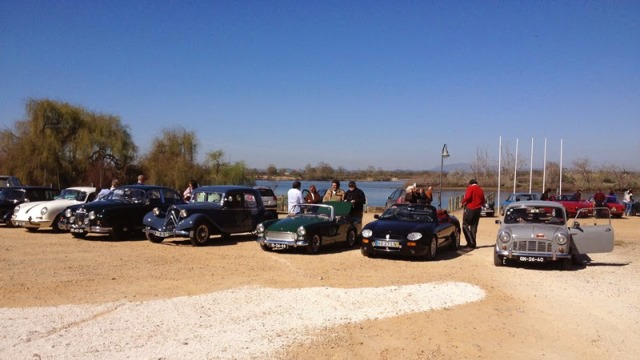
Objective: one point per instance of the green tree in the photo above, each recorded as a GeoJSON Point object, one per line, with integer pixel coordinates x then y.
{"type": "Point", "coordinates": [61, 145]}
{"type": "Point", "coordinates": [177, 147]}
{"type": "Point", "coordinates": [223, 172]}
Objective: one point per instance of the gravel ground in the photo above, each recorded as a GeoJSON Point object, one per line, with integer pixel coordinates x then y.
{"type": "Point", "coordinates": [67, 298]}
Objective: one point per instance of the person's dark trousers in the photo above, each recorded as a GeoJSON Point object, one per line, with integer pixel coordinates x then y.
{"type": "Point", "coordinates": [470, 221]}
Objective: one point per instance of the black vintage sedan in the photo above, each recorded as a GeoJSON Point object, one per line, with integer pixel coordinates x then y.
{"type": "Point", "coordinates": [411, 230]}
{"type": "Point", "coordinates": [121, 212]}
{"type": "Point", "coordinates": [213, 210]}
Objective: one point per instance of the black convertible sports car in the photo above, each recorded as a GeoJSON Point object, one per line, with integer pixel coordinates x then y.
{"type": "Point", "coordinates": [411, 230]}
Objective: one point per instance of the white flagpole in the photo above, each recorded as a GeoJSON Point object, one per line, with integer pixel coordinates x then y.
{"type": "Point", "coordinates": [544, 167]}
{"type": "Point", "coordinates": [515, 168]}
{"type": "Point", "coordinates": [497, 203]}
{"type": "Point", "coordinates": [531, 167]}
{"type": "Point", "coordinates": [560, 191]}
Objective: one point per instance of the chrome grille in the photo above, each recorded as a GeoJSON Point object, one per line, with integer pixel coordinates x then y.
{"type": "Point", "coordinates": [80, 216]}
{"type": "Point", "coordinates": [532, 246]}
{"type": "Point", "coordinates": [280, 235]}
{"type": "Point", "coordinates": [172, 219]}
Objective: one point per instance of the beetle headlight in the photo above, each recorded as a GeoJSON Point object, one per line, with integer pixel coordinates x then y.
{"type": "Point", "coordinates": [301, 231]}
{"type": "Point", "coordinates": [504, 236]}
{"type": "Point", "coordinates": [67, 213]}
{"type": "Point", "coordinates": [92, 215]}
{"type": "Point", "coordinates": [260, 228]}
{"type": "Point", "coordinates": [367, 233]}
{"type": "Point", "coordinates": [414, 236]}
{"type": "Point", "coordinates": [183, 213]}
{"type": "Point", "coordinates": [561, 239]}
{"type": "Point", "coordinates": [156, 211]}
{"type": "Point", "coordinates": [16, 209]}
{"type": "Point", "coordinates": [43, 210]}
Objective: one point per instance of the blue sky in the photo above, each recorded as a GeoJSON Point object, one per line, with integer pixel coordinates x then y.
{"type": "Point", "coordinates": [351, 83]}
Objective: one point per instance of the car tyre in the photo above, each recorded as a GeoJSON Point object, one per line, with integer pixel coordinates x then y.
{"type": "Point", "coordinates": [455, 240]}
{"type": "Point", "coordinates": [199, 235]}
{"type": "Point", "coordinates": [55, 225]}
{"type": "Point", "coordinates": [497, 259]}
{"type": "Point", "coordinates": [433, 250]}
{"type": "Point", "coordinates": [265, 247]}
{"type": "Point", "coordinates": [81, 235]}
{"type": "Point", "coordinates": [352, 238]}
{"type": "Point", "coordinates": [153, 238]}
{"type": "Point", "coordinates": [314, 245]}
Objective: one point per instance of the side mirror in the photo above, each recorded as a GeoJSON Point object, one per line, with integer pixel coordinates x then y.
{"type": "Point", "coordinates": [576, 225]}
{"type": "Point", "coordinates": [498, 222]}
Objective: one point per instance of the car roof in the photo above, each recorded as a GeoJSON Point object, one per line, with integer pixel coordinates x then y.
{"type": "Point", "coordinates": [537, 203]}
{"type": "Point", "coordinates": [224, 188]}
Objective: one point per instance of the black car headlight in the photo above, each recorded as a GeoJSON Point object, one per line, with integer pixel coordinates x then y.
{"type": "Point", "coordinates": [561, 239]}
{"type": "Point", "coordinates": [68, 213]}
{"type": "Point", "coordinates": [504, 236]}
{"type": "Point", "coordinates": [367, 233]}
{"type": "Point", "coordinates": [414, 236]}
{"type": "Point", "coordinates": [92, 215]}
{"type": "Point", "coordinates": [156, 211]}
{"type": "Point", "coordinates": [301, 231]}
{"type": "Point", "coordinates": [260, 228]}
{"type": "Point", "coordinates": [183, 213]}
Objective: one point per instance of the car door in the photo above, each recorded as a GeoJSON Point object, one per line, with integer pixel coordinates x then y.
{"type": "Point", "coordinates": [591, 239]}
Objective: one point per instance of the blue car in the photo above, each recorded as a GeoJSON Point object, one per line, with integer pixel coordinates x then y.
{"type": "Point", "coordinates": [213, 210]}
{"type": "Point", "coordinates": [517, 197]}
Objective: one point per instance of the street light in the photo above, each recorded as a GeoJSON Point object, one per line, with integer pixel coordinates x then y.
{"type": "Point", "coordinates": [445, 154]}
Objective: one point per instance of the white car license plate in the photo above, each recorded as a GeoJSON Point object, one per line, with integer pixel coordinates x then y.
{"type": "Point", "coordinates": [77, 230]}
{"type": "Point", "coordinates": [279, 246]}
{"type": "Point", "coordinates": [531, 258]}
{"type": "Point", "coordinates": [162, 234]}
{"type": "Point", "coordinates": [390, 244]}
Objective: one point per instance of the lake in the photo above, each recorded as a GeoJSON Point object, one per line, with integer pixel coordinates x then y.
{"type": "Point", "coordinates": [376, 192]}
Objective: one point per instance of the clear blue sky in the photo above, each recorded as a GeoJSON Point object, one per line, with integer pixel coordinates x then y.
{"type": "Point", "coordinates": [351, 83]}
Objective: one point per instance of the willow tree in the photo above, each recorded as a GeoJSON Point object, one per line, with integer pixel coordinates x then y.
{"type": "Point", "coordinates": [172, 159]}
{"type": "Point", "coordinates": [61, 144]}
{"type": "Point", "coordinates": [223, 172]}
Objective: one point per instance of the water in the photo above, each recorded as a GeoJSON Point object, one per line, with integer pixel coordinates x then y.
{"type": "Point", "coordinates": [375, 191]}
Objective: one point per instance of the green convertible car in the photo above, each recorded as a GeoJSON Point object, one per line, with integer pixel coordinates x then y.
{"type": "Point", "coordinates": [317, 225]}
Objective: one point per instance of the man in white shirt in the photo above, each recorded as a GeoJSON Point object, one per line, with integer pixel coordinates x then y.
{"type": "Point", "coordinates": [294, 198]}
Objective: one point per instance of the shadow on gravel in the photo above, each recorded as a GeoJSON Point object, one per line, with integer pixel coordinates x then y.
{"type": "Point", "coordinates": [215, 240]}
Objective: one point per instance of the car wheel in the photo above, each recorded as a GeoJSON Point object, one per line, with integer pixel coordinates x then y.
{"type": "Point", "coordinates": [265, 247]}
{"type": "Point", "coordinates": [314, 245]}
{"type": "Point", "coordinates": [497, 259]}
{"type": "Point", "coordinates": [433, 249]}
{"type": "Point", "coordinates": [455, 240]}
{"type": "Point", "coordinates": [365, 253]}
{"type": "Point", "coordinates": [81, 235]}
{"type": "Point", "coordinates": [199, 235]}
{"type": "Point", "coordinates": [153, 238]}
{"type": "Point", "coordinates": [117, 233]}
{"type": "Point", "coordinates": [55, 225]}
{"type": "Point", "coordinates": [351, 238]}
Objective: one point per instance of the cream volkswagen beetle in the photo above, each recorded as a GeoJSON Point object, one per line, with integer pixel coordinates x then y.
{"type": "Point", "coordinates": [44, 214]}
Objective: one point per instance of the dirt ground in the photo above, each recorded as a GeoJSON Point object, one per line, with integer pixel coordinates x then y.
{"type": "Point", "coordinates": [529, 312]}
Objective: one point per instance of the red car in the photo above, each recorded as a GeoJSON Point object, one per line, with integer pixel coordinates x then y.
{"type": "Point", "coordinates": [572, 205]}
{"type": "Point", "coordinates": [615, 208]}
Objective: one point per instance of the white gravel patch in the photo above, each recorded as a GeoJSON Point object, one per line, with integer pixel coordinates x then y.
{"type": "Point", "coordinates": [242, 323]}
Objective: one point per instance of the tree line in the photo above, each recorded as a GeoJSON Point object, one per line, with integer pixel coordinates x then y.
{"type": "Point", "coordinates": [61, 145]}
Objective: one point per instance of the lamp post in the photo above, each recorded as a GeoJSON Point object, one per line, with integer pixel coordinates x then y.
{"type": "Point", "coordinates": [445, 154]}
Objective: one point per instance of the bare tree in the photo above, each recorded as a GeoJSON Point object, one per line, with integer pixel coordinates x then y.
{"type": "Point", "coordinates": [582, 167]}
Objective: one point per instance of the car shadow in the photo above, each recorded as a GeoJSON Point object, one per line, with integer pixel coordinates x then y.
{"type": "Point", "coordinates": [215, 240]}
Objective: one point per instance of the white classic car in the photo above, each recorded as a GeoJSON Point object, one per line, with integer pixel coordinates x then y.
{"type": "Point", "coordinates": [44, 214]}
